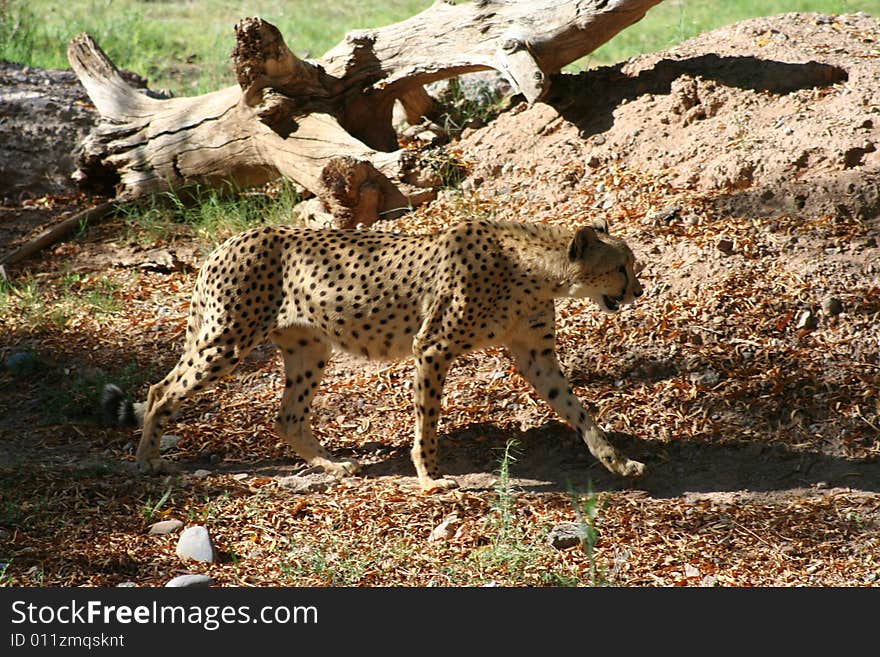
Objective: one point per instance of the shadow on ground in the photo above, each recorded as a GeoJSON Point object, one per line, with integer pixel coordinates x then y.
{"type": "Point", "coordinates": [551, 459]}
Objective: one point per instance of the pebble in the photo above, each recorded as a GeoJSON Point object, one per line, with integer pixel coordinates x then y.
{"type": "Point", "coordinates": [710, 581]}
{"type": "Point", "coordinates": [566, 535]}
{"type": "Point", "coordinates": [725, 245]}
{"type": "Point", "coordinates": [832, 306]}
{"type": "Point", "coordinates": [666, 215]}
{"type": "Point", "coordinates": [20, 362]}
{"type": "Point", "coordinates": [195, 543]}
{"type": "Point", "coordinates": [201, 474]}
{"type": "Point", "coordinates": [165, 527]}
{"type": "Point", "coordinates": [168, 441]}
{"type": "Point", "coordinates": [445, 529]}
{"type": "Point", "coordinates": [309, 483]}
{"type": "Point", "coordinates": [126, 585]}
{"type": "Point", "coordinates": [807, 320]}
{"type": "Point", "coordinates": [190, 581]}
{"type": "Point", "coordinates": [708, 378]}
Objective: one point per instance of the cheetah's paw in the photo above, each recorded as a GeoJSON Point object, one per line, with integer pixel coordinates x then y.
{"type": "Point", "coordinates": [157, 466]}
{"type": "Point", "coordinates": [340, 468]}
{"type": "Point", "coordinates": [430, 485]}
{"type": "Point", "coordinates": [628, 468]}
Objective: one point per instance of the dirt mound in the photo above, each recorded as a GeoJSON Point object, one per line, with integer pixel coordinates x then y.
{"type": "Point", "coordinates": [769, 116]}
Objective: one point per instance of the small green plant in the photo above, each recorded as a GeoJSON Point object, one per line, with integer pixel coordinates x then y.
{"type": "Point", "coordinates": [149, 510]}
{"type": "Point", "coordinates": [586, 511]}
{"type": "Point", "coordinates": [97, 292]}
{"type": "Point", "coordinates": [10, 512]}
{"type": "Point", "coordinates": [473, 107]}
{"type": "Point", "coordinates": [332, 568]}
{"type": "Point", "coordinates": [26, 300]}
{"type": "Point", "coordinates": [17, 26]}
{"type": "Point", "coordinates": [510, 549]}
{"type": "Point", "coordinates": [447, 165]}
{"type": "Point", "coordinates": [4, 579]}
{"type": "Point", "coordinates": [36, 304]}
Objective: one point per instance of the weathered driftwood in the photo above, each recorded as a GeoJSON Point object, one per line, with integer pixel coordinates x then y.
{"type": "Point", "coordinates": [58, 232]}
{"type": "Point", "coordinates": [326, 124]}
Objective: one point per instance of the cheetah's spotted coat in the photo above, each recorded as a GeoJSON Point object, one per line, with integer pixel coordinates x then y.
{"type": "Point", "coordinates": [388, 295]}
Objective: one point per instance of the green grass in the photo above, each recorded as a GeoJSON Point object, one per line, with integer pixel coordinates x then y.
{"type": "Point", "coordinates": [182, 46]}
{"type": "Point", "coordinates": [151, 509]}
{"type": "Point", "coordinates": [185, 46]}
{"type": "Point", "coordinates": [35, 306]}
{"type": "Point", "coordinates": [209, 214]}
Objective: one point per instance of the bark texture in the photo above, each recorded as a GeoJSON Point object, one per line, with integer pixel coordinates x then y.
{"type": "Point", "coordinates": [326, 123]}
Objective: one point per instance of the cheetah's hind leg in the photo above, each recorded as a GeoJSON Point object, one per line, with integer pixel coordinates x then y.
{"type": "Point", "coordinates": [305, 356]}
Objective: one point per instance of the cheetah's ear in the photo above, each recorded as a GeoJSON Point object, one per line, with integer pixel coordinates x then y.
{"type": "Point", "coordinates": [583, 240]}
{"type": "Point", "coordinates": [600, 225]}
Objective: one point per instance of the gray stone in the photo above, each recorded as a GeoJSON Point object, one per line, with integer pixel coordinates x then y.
{"type": "Point", "coordinates": [708, 378]}
{"type": "Point", "coordinates": [308, 483]}
{"type": "Point", "coordinates": [832, 306]}
{"type": "Point", "coordinates": [21, 362]}
{"type": "Point", "coordinates": [195, 543]}
{"type": "Point", "coordinates": [168, 441]}
{"type": "Point", "coordinates": [566, 535]}
{"type": "Point", "coordinates": [665, 216]}
{"type": "Point", "coordinates": [165, 527]}
{"type": "Point", "coordinates": [126, 585]}
{"type": "Point", "coordinates": [201, 473]}
{"type": "Point", "coordinates": [190, 581]}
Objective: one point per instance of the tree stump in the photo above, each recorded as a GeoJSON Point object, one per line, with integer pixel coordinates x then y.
{"type": "Point", "coordinates": [326, 123]}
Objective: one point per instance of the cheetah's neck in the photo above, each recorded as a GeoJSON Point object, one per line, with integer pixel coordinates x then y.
{"type": "Point", "coordinates": [540, 252]}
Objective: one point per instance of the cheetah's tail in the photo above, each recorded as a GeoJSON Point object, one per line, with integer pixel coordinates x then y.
{"type": "Point", "coordinates": [119, 411]}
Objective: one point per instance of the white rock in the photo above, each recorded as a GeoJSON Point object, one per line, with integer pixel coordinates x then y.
{"type": "Point", "coordinates": [195, 543]}
{"type": "Point", "coordinates": [445, 529]}
{"type": "Point", "coordinates": [807, 320]}
{"type": "Point", "coordinates": [190, 581]}
{"type": "Point", "coordinates": [165, 527]}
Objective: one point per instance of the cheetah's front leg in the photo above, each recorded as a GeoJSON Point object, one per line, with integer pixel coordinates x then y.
{"type": "Point", "coordinates": [538, 364]}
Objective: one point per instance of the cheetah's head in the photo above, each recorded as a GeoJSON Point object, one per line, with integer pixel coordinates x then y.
{"type": "Point", "coordinates": [602, 268]}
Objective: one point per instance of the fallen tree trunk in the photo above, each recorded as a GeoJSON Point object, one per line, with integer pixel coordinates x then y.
{"type": "Point", "coordinates": [326, 124]}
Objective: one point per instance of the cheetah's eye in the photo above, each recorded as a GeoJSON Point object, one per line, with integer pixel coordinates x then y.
{"type": "Point", "coordinates": [622, 270]}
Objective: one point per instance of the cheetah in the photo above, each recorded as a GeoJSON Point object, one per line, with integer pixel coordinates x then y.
{"type": "Point", "coordinates": [387, 295]}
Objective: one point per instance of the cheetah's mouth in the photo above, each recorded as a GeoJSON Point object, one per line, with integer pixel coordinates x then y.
{"type": "Point", "coordinates": [612, 303]}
